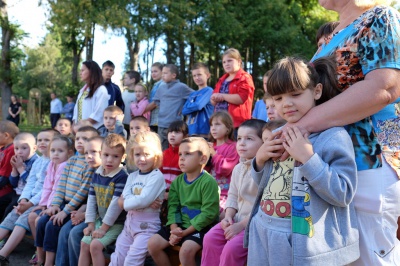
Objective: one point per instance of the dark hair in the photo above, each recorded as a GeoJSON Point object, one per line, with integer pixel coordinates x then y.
{"type": "Point", "coordinates": [108, 63]}
{"type": "Point", "coordinates": [133, 75]}
{"type": "Point", "coordinates": [255, 124]}
{"type": "Point", "coordinates": [95, 77]}
{"type": "Point", "coordinates": [200, 65]}
{"type": "Point", "coordinates": [158, 65]}
{"type": "Point", "coordinates": [88, 129]}
{"type": "Point", "coordinates": [326, 29]}
{"type": "Point", "coordinates": [273, 124]}
{"type": "Point", "coordinates": [69, 141]}
{"type": "Point", "coordinates": [141, 119]}
{"type": "Point", "coordinates": [9, 127]}
{"type": "Point", "coordinates": [202, 145]}
{"type": "Point", "coordinates": [290, 74]}
{"type": "Point", "coordinates": [173, 68]}
{"type": "Point", "coordinates": [179, 126]}
{"type": "Point", "coordinates": [267, 74]}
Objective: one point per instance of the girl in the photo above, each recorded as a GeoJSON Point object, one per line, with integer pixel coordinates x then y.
{"type": "Point", "coordinates": [93, 97]}
{"type": "Point", "coordinates": [223, 152]}
{"type": "Point", "coordinates": [223, 244]}
{"type": "Point", "coordinates": [14, 109]}
{"type": "Point", "coordinates": [177, 131]}
{"type": "Point", "coordinates": [138, 107]}
{"type": "Point", "coordinates": [142, 188]}
{"type": "Point", "coordinates": [156, 71]}
{"type": "Point", "coordinates": [303, 212]}
{"type": "Point", "coordinates": [235, 90]}
{"type": "Point", "coordinates": [61, 148]}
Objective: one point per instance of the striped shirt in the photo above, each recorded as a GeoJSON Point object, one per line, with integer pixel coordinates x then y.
{"type": "Point", "coordinates": [73, 187]}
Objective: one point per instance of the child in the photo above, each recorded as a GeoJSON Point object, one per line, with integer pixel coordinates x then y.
{"type": "Point", "coordinates": [72, 191]}
{"type": "Point", "coordinates": [223, 152]}
{"type": "Point", "coordinates": [170, 97]}
{"type": "Point", "coordinates": [260, 109]}
{"type": "Point", "coordinates": [138, 107]}
{"type": "Point", "coordinates": [192, 206]}
{"type": "Point", "coordinates": [138, 124]}
{"type": "Point", "coordinates": [61, 149]}
{"type": "Point", "coordinates": [303, 213]}
{"type": "Point", "coordinates": [25, 155]}
{"type": "Point", "coordinates": [16, 221]}
{"type": "Point", "coordinates": [8, 131]}
{"type": "Point", "coordinates": [103, 215]}
{"type": "Point", "coordinates": [131, 78]}
{"type": "Point", "coordinates": [234, 91]}
{"type": "Point", "coordinates": [156, 74]}
{"type": "Point", "coordinates": [112, 117]}
{"type": "Point", "coordinates": [71, 234]}
{"type": "Point", "coordinates": [269, 127]}
{"type": "Point", "coordinates": [324, 33]}
{"type": "Point", "coordinates": [177, 131]}
{"type": "Point", "coordinates": [107, 71]}
{"type": "Point", "coordinates": [79, 124]}
{"type": "Point", "coordinates": [271, 111]}
{"type": "Point", "coordinates": [64, 126]}
{"type": "Point", "coordinates": [142, 188]}
{"type": "Point", "coordinates": [198, 106]}
{"type": "Point", "coordinates": [223, 244]}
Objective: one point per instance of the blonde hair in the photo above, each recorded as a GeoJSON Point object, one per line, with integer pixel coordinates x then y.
{"type": "Point", "coordinates": [371, 3]}
{"type": "Point", "coordinates": [140, 84]}
{"type": "Point", "coordinates": [233, 53]}
{"type": "Point", "coordinates": [146, 139]}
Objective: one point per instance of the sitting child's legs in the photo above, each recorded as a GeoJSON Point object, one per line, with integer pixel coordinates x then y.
{"type": "Point", "coordinates": [156, 246]}
{"type": "Point", "coordinates": [40, 233]}
{"type": "Point", "coordinates": [187, 254]}
{"type": "Point", "coordinates": [33, 219]}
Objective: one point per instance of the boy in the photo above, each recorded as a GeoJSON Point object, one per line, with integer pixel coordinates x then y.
{"type": "Point", "coordinates": [170, 97]}
{"type": "Point", "coordinates": [71, 193]}
{"type": "Point", "coordinates": [64, 126]}
{"type": "Point", "coordinates": [112, 122]}
{"type": "Point", "coordinates": [270, 126]}
{"type": "Point", "coordinates": [260, 108]}
{"type": "Point", "coordinates": [25, 155]}
{"type": "Point", "coordinates": [193, 205]}
{"type": "Point", "coordinates": [16, 221]}
{"type": "Point", "coordinates": [8, 131]}
{"type": "Point", "coordinates": [131, 78]}
{"type": "Point", "coordinates": [198, 106]}
{"type": "Point", "coordinates": [68, 109]}
{"type": "Point", "coordinates": [104, 217]}
{"type": "Point", "coordinates": [114, 91]}
{"type": "Point", "coordinates": [138, 124]}
{"type": "Point", "coordinates": [71, 234]}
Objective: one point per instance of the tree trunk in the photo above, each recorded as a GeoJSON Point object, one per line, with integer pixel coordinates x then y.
{"type": "Point", "coordinates": [89, 42]}
{"type": "Point", "coordinates": [5, 73]}
{"type": "Point", "coordinates": [182, 62]}
{"type": "Point", "coordinates": [133, 50]}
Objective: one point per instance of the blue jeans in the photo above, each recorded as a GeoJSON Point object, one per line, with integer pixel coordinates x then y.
{"type": "Point", "coordinates": [47, 233]}
{"type": "Point", "coordinates": [69, 244]}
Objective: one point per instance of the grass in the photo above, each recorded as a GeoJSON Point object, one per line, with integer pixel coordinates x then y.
{"type": "Point", "coordinates": [34, 129]}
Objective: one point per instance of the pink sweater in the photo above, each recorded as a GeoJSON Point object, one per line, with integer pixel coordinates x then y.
{"type": "Point", "coordinates": [137, 108]}
{"type": "Point", "coordinates": [223, 162]}
{"type": "Point", "coordinates": [50, 183]}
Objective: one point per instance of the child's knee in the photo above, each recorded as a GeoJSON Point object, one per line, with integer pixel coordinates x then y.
{"type": "Point", "coordinates": [96, 246]}
{"type": "Point", "coordinates": [155, 243]}
{"type": "Point", "coordinates": [85, 247]}
{"type": "Point", "coordinates": [188, 250]}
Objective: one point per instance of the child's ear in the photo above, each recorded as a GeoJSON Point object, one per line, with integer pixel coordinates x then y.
{"type": "Point", "coordinates": [34, 148]}
{"type": "Point", "coordinates": [203, 160]}
{"type": "Point", "coordinates": [123, 157]}
{"type": "Point", "coordinates": [318, 91]}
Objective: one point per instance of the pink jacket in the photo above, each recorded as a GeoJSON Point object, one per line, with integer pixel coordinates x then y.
{"type": "Point", "coordinates": [223, 162]}
{"type": "Point", "coordinates": [50, 183]}
{"type": "Point", "coordinates": [137, 108]}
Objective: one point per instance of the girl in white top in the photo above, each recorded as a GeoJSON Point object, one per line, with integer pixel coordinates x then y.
{"type": "Point", "coordinates": [93, 97]}
{"type": "Point", "coordinates": [142, 188]}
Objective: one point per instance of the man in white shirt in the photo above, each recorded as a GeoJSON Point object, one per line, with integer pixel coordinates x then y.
{"type": "Point", "coordinates": [56, 107]}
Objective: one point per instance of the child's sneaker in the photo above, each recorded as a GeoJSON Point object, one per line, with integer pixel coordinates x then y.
{"type": "Point", "coordinates": [33, 260]}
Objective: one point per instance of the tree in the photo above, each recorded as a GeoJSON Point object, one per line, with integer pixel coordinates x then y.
{"type": "Point", "coordinates": [11, 36]}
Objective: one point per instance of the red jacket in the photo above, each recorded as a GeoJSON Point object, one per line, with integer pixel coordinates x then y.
{"type": "Point", "coordinates": [170, 166]}
{"type": "Point", "coordinates": [5, 168]}
{"type": "Point", "coordinates": [243, 85]}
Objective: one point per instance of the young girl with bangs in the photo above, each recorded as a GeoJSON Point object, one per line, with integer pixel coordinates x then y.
{"type": "Point", "coordinates": [304, 212]}
{"type": "Point", "coordinates": [223, 152]}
